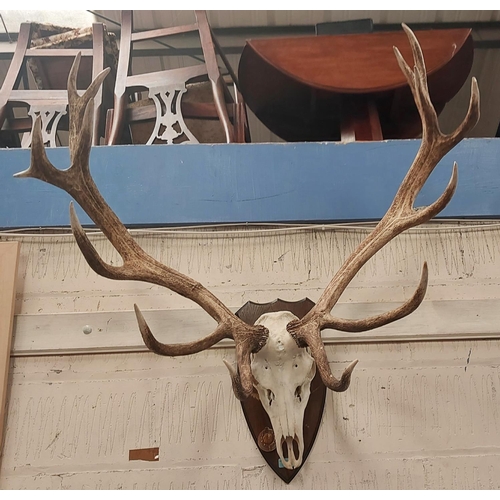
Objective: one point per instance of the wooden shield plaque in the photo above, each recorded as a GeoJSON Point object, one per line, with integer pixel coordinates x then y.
{"type": "Point", "coordinates": [257, 419]}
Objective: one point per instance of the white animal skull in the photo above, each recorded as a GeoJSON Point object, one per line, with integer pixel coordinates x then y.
{"type": "Point", "coordinates": [283, 372]}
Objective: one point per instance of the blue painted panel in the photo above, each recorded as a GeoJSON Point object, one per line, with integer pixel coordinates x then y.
{"type": "Point", "coordinates": [195, 184]}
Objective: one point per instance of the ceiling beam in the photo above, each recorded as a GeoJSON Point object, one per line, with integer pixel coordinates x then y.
{"type": "Point", "coordinates": [301, 30]}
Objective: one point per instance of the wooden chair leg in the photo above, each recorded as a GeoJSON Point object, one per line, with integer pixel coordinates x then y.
{"type": "Point", "coordinates": [208, 48]}
{"type": "Point", "coordinates": [220, 106]}
{"type": "Point", "coordinates": [118, 120]}
{"type": "Point", "coordinates": [242, 128]}
{"type": "Point", "coordinates": [97, 67]}
{"type": "Point", "coordinates": [107, 129]}
{"type": "Point", "coordinates": [120, 99]}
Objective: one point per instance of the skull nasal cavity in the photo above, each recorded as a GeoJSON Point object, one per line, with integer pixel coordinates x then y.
{"type": "Point", "coordinates": [295, 448]}
{"type": "Point", "coordinates": [270, 396]}
{"type": "Point", "coordinates": [298, 393]}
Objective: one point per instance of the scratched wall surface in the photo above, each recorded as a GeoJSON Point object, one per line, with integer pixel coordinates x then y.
{"type": "Point", "coordinates": [261, 264]}
{"type": "Point", "coordinates": [417, 415]}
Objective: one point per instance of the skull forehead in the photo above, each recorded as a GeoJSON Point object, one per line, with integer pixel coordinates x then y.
{"type": "Point", "coordinates": [281, 363]}
{"type": "Point", "coordinates": [279, 339]}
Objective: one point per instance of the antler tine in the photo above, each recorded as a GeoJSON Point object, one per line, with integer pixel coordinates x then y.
{"type": "Point", "coordinates": [235, 381]}
{"type": "Point", "coordinates": [81, 111]}
{"type": "Point", "coordinates": [471, 117]}
{"type": "Point", "coordinates": [137, 264]}
{"type": "Point", "coordinates": [220, 333]}
{"type": "Point", "coordinates": [40, 166]}
{"type": "Point", "coordinates": [317, 350]}
{"type": "Point", "coordinates": [401, 216]}
{"type": "Point", "coordinates": [362, 325]}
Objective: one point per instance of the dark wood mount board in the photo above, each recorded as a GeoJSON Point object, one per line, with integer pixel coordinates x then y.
{"type": "Point", "coordinates": [257, 419]}
{"type": "Point", "coordinates": [303, 88]}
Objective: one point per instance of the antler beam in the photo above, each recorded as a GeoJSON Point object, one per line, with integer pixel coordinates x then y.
{"type": "Point", "coordinates": [401, 216]}
{"type": "Point", "coordinates": [137, 264]}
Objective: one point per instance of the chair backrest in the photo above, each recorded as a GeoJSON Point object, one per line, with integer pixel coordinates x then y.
{"type": "Point", "coordinates": [166, 88]}
{"type": "Point", "coordinates": [50, 103]}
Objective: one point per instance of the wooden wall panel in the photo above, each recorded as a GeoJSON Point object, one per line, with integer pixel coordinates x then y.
{"type": "Point", "coordinates": [261, 265]}
{"type": "Point", "coordinates": [422, 415]}
{"type": "Point", "coordinates": [9, 253]}
{"type": "Point", "coordinates": [417, 415]}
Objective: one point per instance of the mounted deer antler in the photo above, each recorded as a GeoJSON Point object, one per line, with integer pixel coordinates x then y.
{"type": "Point", "coordinates": [273, 330]}
{"type": "Point", "coordinates": [400, 216]}
{"type": "Point", "coordinates": [137, 264]}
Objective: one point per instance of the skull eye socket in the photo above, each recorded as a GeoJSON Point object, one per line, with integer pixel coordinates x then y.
{"type": "Point", "coordinates": [298, 393]}
{"type": "Point", "coordinates": [270, 397]}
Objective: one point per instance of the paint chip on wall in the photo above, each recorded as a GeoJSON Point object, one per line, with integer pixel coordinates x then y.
{"type": "Point", "coordinates": [146, 454]}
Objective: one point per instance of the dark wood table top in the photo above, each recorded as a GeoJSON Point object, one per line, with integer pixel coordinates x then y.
{"type": "Point", "coordinates": [294, 84]}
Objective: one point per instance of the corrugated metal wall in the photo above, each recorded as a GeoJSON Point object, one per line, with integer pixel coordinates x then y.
{"type": "Point", "coordinates": [486, 66]}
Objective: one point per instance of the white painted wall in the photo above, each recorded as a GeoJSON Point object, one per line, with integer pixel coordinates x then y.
{"type": "Point", "coordinates": [420, 413]}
